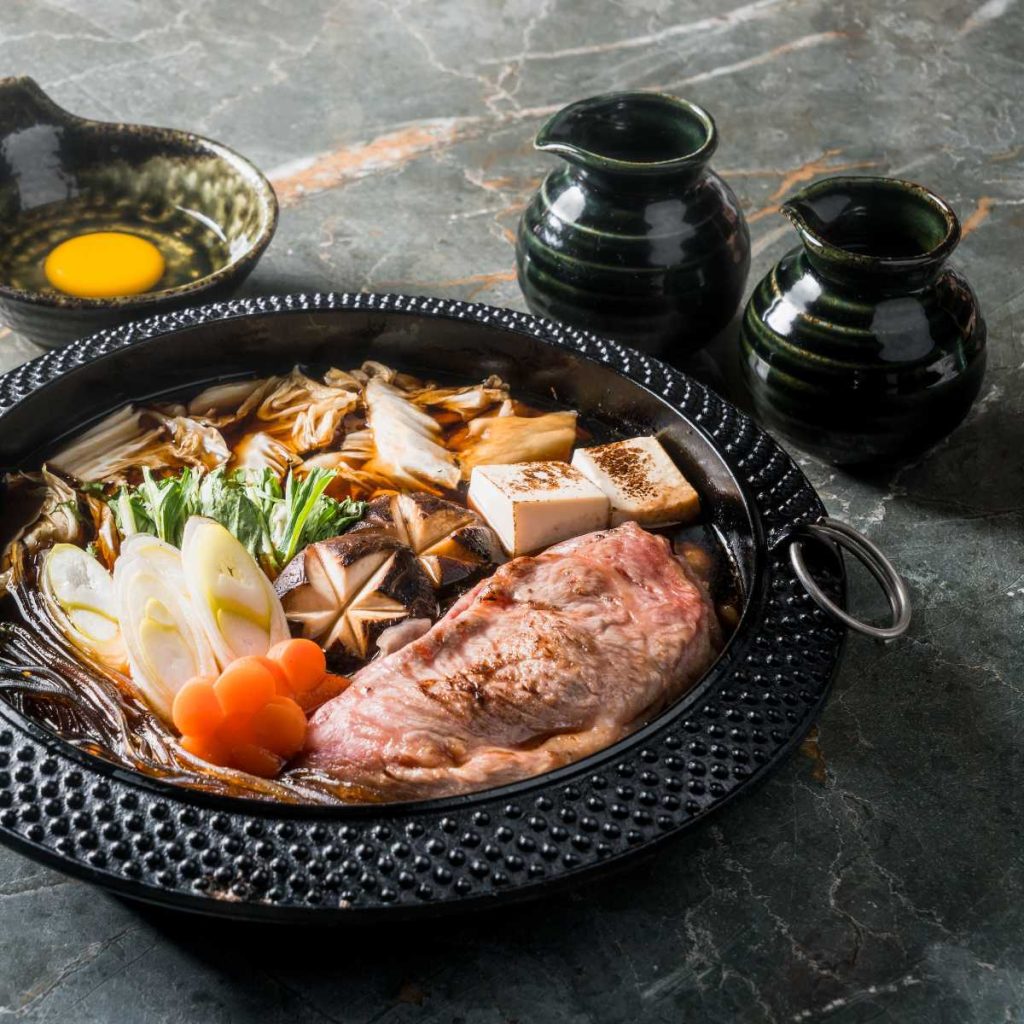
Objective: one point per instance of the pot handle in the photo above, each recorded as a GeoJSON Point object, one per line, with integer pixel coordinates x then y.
{"type": "Point", "coordinates": [846, 537]}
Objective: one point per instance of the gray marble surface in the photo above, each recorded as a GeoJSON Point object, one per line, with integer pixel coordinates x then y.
{"type": "Point", "coordinates": [877, 876]}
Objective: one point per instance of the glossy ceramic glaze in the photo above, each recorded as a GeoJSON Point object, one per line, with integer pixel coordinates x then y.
{"type": "Point", "coordinates": [862, 345]}
{"type": "Point", "coordinates": [634, 237]}
{"type": "Point", "coordinates": [61, 174]}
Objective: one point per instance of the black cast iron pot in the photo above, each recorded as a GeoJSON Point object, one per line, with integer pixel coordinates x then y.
{"type": "Point", "coordinates": [155, 841]}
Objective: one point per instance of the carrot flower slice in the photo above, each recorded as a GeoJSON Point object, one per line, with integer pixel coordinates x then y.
{"type": "Point", "coordinates": [302, 661]}
{"type": "Point", "coordinates": [196, 709]}
{"type": "Point", "coordinates": [245, 686]}
{"type": "Point", "coordinates": [240, 720]}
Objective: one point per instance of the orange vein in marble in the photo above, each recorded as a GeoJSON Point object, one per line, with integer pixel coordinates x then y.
{"type": "Point", "coordinates": [978, 216]}
{"type": "Point", "coordinates": [811, 748]}
{"type": "Point", "coordinates": [798, 175]}
{"type": "Point", "coordinates": [494, 184]}
{"type": "Point", "coordinates": [357, 160]}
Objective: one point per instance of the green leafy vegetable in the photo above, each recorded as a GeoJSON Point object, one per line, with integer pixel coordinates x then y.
{"type": "Point", "coordinates": [169, 502]}
{"type": "Point", "coordinates": [264, 487]}
{"type": "Point", "coordinates": [300, 497]}
{"type": "Point", "coordinates": [130, 513]}
{"type": "Point", "coordinates": [226, 499]}
{"type": "Point", "coordinates": [328, 518]}
{"type": "Point", "coordinates": [271, 521]}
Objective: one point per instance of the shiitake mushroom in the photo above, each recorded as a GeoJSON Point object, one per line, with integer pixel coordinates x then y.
{"type": "Point", "coordinates": [451, 541]}
{"type": "Point", "coordinates": [346, 591]}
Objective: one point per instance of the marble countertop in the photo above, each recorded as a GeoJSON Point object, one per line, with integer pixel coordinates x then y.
{"type": "Point", "coordinates": [877, 875]}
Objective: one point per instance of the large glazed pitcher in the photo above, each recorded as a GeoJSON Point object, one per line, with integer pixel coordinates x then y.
{"type": "Point", "coordinates": [862, 345]}
{"type": "Point", "coordinates": [634, 237]}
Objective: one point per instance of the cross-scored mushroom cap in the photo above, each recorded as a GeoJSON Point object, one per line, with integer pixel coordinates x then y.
{"type": "Point", "coordinates": [344, 592]}
{"type": "Point", "coordinates": [450, 540]}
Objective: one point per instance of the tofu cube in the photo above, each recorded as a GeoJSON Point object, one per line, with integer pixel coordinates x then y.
{"type": "Point", "coordinates": [642, 482]}
{"type": "Point", "coordinates": [532, 505]}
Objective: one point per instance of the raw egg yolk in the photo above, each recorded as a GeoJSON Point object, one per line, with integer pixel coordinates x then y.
{"type": "Point", "coordinates": [104, 265]}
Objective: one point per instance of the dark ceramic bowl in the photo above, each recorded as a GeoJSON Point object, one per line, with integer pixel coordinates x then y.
{"type": "Point", "coordinates": [61, 174]}
{"type": "Point", "coordinates": [156, 841]}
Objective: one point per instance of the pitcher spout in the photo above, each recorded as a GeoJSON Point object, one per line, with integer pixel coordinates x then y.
{"type": "Point", "coordinates": [873, 228]}
{"type": "Point", "coordinates": [632, 133]}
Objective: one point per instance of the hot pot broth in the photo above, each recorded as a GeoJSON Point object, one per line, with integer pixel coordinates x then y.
{"type": "Point", "coordinates": [99, 710]}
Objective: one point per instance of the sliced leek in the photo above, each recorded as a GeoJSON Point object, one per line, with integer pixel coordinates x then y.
{"type": "Point", "coordinates": [166, 643]}
{"type": "Point", "coordinates": [232, 598]}
{"type": "Point", "coordinates": [80, 596]}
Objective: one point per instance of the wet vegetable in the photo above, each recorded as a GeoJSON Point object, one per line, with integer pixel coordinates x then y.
{"type": "Point", "coordinates": [303, 413]}
{"type": "Point", "coordinates": [272, 522]}
{"type": "Point", "coordinates": [345, 592]}
{"type": "Point", "coordinates": [503, 440]}
{"type": "Point", "coordinates": [450, 540]}
{"type": "Point", "coordinates": [232, 597]}
{"type": "Point", "coordinates": [304, 669]}
{"type": "Point", "coordinates": [49, 514]}
{"type": "Point", "coordinates": [252, 716]}
{"type": "Point", "coordinates": [261, 451]}
{"type": "Point", "coordinates": [465, 402]}
{"type": "Point", "coordinates": [240, 720]}
{"type": "Point", "coordinates": [408, 441]}
{"type": "Point", "coordinates": [166, 644]}
{"type": "Point", "coordinates": [141, 437]}
{"type": "Point", "coordinates": [79, 594]}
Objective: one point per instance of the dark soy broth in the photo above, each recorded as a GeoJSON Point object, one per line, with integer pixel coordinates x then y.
{"type": "Point", "coordinates": [97, 710]}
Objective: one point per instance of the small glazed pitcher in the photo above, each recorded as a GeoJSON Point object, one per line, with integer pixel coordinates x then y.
{"type": "Point", "coordinates": [634, 237]}
{"type": "Point", "coordinates": [862, 346]}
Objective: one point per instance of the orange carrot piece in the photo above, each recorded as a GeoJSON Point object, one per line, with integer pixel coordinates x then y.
{"type": "Point", "coordinates": [235, 729]}
{"type": "Point", "coordinates": [279, 726]}
{"type": "Point", "coordinates": [302, 662]}
{"type": "Point", "coordinates": [243, 719]}
{"type": "Point", "coordinates": [330, 686]}
{"type": "Point", "coordinates": [208, 747]}
{"type": "Point", "coordinates": [196, 708]}
{"type": "Point", "coordinates": [245, 686]}
{"type": "Point", "coordinates": [284, 687]}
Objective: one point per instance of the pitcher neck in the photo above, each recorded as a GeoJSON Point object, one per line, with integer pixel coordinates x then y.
{"type": "Point", "coordinates": [873, 232]}
{"type": "Point", "coordinates": [638, 142]}
{"type": "Point", "coordinates": [625, 185]}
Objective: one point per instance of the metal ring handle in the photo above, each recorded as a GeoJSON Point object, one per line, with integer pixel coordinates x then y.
{"type": "Point", "coordinates": [839, 534]}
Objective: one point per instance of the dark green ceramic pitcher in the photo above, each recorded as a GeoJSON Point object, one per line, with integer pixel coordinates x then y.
{"type": "Point", "coordinates": [634, 237]}
{"type": "Point", "coordinates": [863, 346]}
